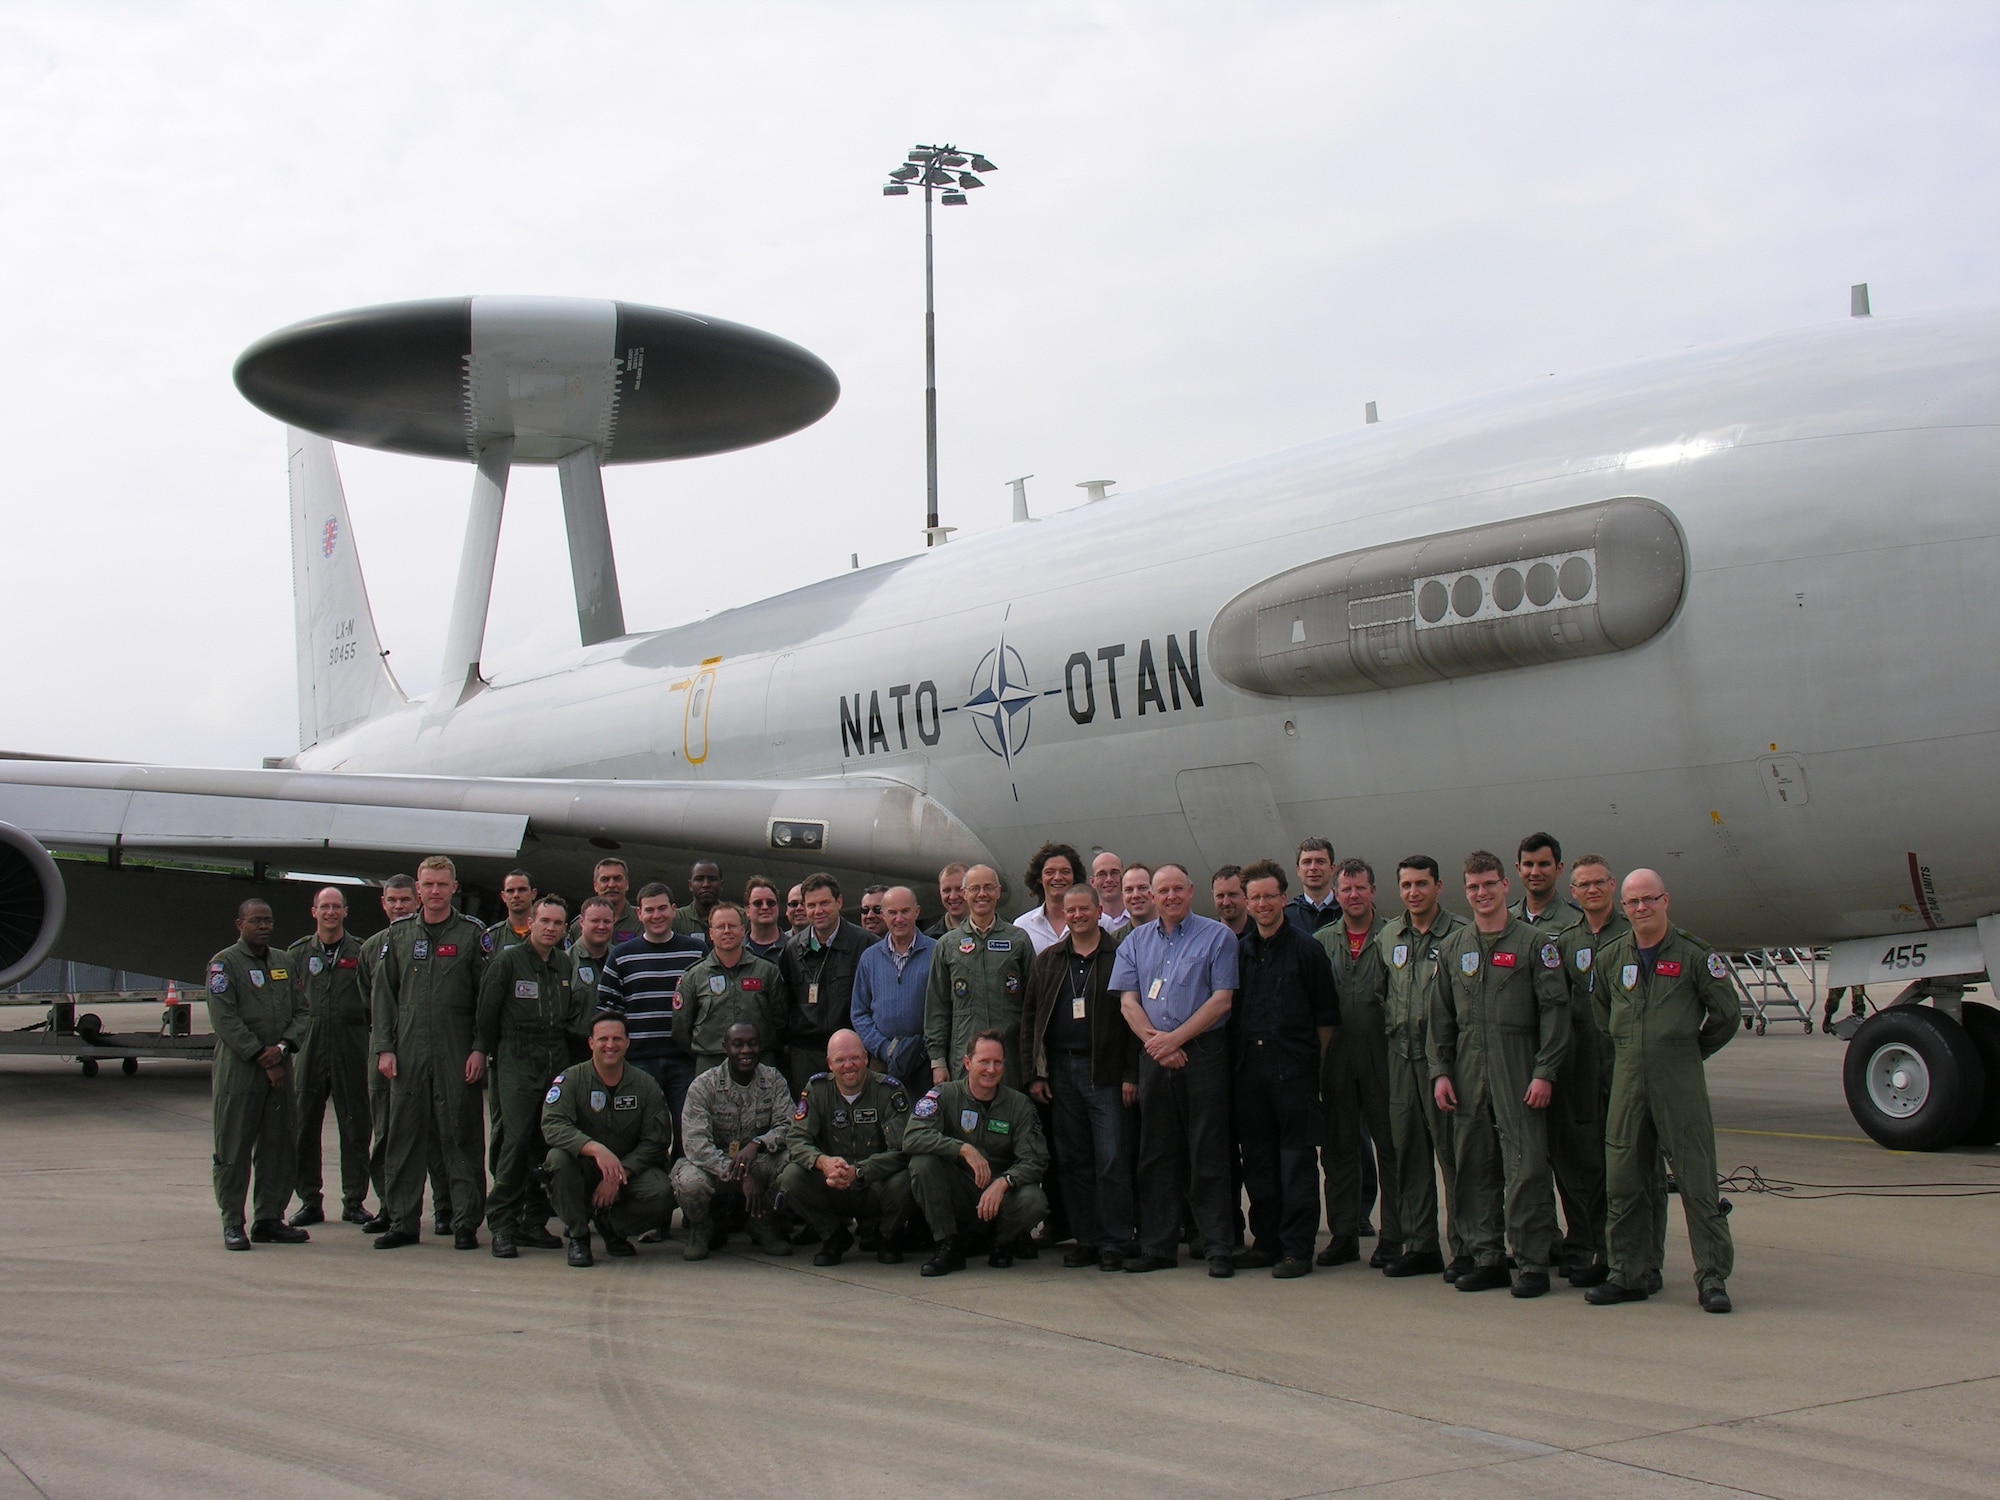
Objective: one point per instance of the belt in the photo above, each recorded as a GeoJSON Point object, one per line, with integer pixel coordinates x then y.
{"type": "Point", "coordinates": [1074, 1051]}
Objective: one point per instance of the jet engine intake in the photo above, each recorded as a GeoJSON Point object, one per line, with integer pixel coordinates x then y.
{"type": "Point", "coordinates": [32, 904]}
{"type": "Point", "coordinates": [1516, 593]}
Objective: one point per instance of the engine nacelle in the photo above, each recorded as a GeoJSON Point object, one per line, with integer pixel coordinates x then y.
{"type": "Point", "coordinates": [32, 904]}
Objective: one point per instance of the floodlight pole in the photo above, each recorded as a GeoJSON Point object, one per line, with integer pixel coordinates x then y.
{"type": "Point", "coordinates": [931, 537]}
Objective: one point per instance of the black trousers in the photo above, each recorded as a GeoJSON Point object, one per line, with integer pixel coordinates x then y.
{"type": "Point", "coordinates": [1184, 1149]}
{"type": "Point", "coordinates": [1278, 1127]}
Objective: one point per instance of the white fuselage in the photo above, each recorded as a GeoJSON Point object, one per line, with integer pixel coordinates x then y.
{"type": "Point", "coordinates": [1810, 738]}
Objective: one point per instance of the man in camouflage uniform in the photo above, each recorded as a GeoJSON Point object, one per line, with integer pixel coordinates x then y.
{"type": "Point", "coordinates": [733, 1130]}
{"type": "Point", "coordinates": [258, 1025]}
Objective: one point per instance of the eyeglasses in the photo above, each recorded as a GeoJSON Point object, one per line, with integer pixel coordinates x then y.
{"type": "Point", "coordinates": [1658, 900]}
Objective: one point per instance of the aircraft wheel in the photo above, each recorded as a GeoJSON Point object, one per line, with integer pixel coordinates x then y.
{"type": "Point", "coordinates": [1913, 1078]}
{"type": "Point", "coordinates": [89, 1067]}
{"type": "Point", "coordinates": [130, 1066]}
{"type": "Point", "coordinates": [1982, 1024]}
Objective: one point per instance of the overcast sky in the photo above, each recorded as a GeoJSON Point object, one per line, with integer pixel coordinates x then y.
{"type": "Point", "coordinates": [1217, 230]}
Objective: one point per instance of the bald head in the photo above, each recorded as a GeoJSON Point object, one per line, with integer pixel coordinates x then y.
{"type": "Point", "coordinates": [982, 894]}
{"type": "Point", "coordinates": [329, 910]}
{"type": "Point", "coordinates": [1644, 896]}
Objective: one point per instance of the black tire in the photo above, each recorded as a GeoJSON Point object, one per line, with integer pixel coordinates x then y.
{"type": "Point", "coordinates": [1927, 1083]}
{"type": "Point", "coordinates": [89, 1067]}
{"type": "Point", "coordinates": [1982, 1024]}
{"type": "Point", "coordinates": [130, 1066]}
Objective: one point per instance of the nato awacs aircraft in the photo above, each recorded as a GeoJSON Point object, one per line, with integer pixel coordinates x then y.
{"type": "Point", "coordinates": [1730, 613]}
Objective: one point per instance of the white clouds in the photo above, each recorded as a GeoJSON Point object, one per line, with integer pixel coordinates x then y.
{"type": "Point", "coordinates": [1215, 231]}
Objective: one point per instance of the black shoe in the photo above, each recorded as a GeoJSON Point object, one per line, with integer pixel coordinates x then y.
{"type": "Point", "coordinates": [465, 1239]}
{"type": "Point", "coordinates": [579, 1252]}
{"type": "Point", "coordinates": [441, 1225]}
{"type": "Point", "coordinates": [614, 1243]}
{"type": "Point", "coordinates": [1256, 1258]}
{"type": "Point", "coordinates": [868, 1236]}
{"type": "Point", "coordinates": [1221, 1267]}
{"type": "Point", "coordinates": [356, 1216]}
{"type": "Point", "coordinates": [1000, 1258]}
{"type": "Point", "coordinates": [1367, 1230]}
{"type": "Point", "coordinates": [1482, 1279]}
{"type": "Point", "coordinates": [1077, 1257]}
{"type": "Point", "coordinates": [833, 1247]}
{"type": "Point", "coordinates": [1137, 1263]}
{"type": "Point", "coordinates": [1110, 1260]}
{"type": "Point", "coordinates": [1290, 1267]}
{"type": "Point", "coordinates": [945, 1258]}
{"type": "Point", "coordinates": [1385, 1251]}
{"type": "Point", "coordinates": [307, 1213]}
{"type": "Point", "coordinates": [888, 1255]}
{"type": "Point", "coordinates": [1460, 1264]}
{"type": "Point", "coordinates": [1416, 1263]}
{"type": "Point", "coordinates": [1609, 1293]}
{"type": "Point", "coordinates": [1714, 1299]}
{"type": "Point", "coordinates": [503, 1248]}
{"type": "Point", "coordinates": [234, 1238]}
{"type": "Point", "coordinates": [1652, 1283]}
{"type": "Point", "coordinates": [805, 1234]}
{"type": "Point", "coordinates": [375, 1224]}
{"type": "Point", "coordinates": [1585, 1277]}
{"type": "Point", "coordinates": [277, 1232]}
{"type": "Point", "coordinates": [537, 1237]}
{"type": "Point", "coordinates": [1025, 1248]}
{"type": "Point", "coordinates": [1530, 1284]}
{"type": "Point", "coordinates": [1339, 1251]}
{"type": "Point", "coordinates": [395, 1239]}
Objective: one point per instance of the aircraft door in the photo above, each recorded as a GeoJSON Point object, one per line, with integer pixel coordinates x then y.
{"type": "Point", "coordinates": [1232, 814]}
{"type": "Point", "coordinates": [777, 700]}
{"type": "Point", "coordinates": [694, 724]}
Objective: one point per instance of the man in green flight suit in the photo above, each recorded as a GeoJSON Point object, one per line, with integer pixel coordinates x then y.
{"type": "Point", "coordinates": [399, 904]}
{"type": "Point", "coordinates": [1420, 1131]}
{"type": "Point", "coordinates": [1499, 1029]}
{"type": "Point", "coordinates": [529, 1011]}
{"type": "Point", "coordinates": [976, 1152]}
{"type": "Point", "coordinates": [1665, 999]}
{"type": "Point", "coordinates": [979, 976]}
{"type": "Point", "coordinates": [844, 1154]}
{"type": "Point", "coordinates": [609, 1134]}
{"type": "Point", "coordinates": [1576, 1118]}
{"type": "Point", "coordinates": [258, 1025]}
{"type": "Point", "coordinates": [426, 999]}
{"type": "Point", "coordinates": [731, 984]}
{"type": "Point", "coordinates": [333, 1060]}
{"type": "Point", "coordinates": [1354, 1077]}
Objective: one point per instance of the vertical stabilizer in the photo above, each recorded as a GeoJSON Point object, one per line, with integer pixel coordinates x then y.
{"type": "Point", "coordinates": [344, 678]}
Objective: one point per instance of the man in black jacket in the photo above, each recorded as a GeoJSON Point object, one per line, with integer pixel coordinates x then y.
{"type": "Point", "coordinates": [1285, 1014]}
{"type": "Point", "coordinates": [1084, 1061]}
{"type": "Point", "coordinates": [820, 961]}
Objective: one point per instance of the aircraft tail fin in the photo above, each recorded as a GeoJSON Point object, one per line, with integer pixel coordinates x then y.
{"type": "Point", "coordinates": [344, 676]}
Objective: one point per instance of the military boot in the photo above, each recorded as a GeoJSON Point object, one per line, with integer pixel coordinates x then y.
{"type": "Point", "coordinates": [764, 1234]}
{"type": "Point", "coordinates": [695, 1247]}
{"type": "Point", "coordinates": [946, 1257]}
{"type": "Point", "coordinates": [579, 1251]}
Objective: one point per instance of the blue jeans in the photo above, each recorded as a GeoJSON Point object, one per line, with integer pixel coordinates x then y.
{"type": "Point", "coordinates": [674, 1074]}
{"type": "Point", "coordinates": [1090, 1154]}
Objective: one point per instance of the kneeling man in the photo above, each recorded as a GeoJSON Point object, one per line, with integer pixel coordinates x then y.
{"type": "Point", "coordinates": [733, 1130]}
{"type": "Point", "coordinates": [609, 1135]}
{"type": "Point", "coordinates": [845, 1154]}
{"type": "Point", "coordinates": [976, 1152]}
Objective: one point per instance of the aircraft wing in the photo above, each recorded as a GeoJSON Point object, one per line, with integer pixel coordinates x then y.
{"type": "Point", "coordinates": [375, 825]}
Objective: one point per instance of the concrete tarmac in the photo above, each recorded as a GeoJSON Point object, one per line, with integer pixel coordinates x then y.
{"type": "Point", "coordinates": [142, 1359]}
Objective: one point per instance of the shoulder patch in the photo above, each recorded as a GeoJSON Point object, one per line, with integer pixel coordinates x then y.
{"type": "Point", "coordinates": [554, 1093]}
{"type": "Point", "coordinates": [1551, 956]}
{"type": "Point", "coordinates": [218, 980]}
{"type": "Point", "coordinates": [927, 1107]}
{"type": "Point", "coordinates": [799, 1110]}
{"type": "Point", "coordinates": [1718, 966]}
{"type": "Point", "coordinates": [486, 941]}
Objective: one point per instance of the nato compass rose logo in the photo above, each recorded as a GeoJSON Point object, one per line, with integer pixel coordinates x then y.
{"type": "Point", "coordinates": [1001, 702]}
{"type": "Point", "coordinates": [329, 538]}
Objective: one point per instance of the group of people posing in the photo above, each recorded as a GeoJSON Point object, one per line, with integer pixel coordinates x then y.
{"type": "Point", "coordinates": [1109, 1072]}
